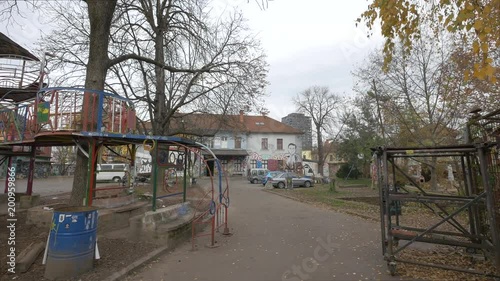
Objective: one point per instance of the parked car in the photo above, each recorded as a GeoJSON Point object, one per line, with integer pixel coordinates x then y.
{"type": "Point", "coordinates": [111, 172]}
{"type": "Point", "coordinates": [271, 175]}
{"type": "Point", "coordinates": [280, 180]}
{"type": "Point", "coordinates": [256, 175]}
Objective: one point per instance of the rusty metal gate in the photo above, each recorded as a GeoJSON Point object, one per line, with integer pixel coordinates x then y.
{"type": "Point", "coordinates": [468, 215]}
{"type": "Point", "coordinates": [465, 216]}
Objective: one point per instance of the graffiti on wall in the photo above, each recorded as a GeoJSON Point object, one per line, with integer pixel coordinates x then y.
{"type": "Point", "coordinates": [291, 159]}
{"type": "Point", "coordinates": [255, 156]}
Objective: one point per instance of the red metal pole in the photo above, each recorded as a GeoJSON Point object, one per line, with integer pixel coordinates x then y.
{"type": "Point", "coordinates": [85, 111]}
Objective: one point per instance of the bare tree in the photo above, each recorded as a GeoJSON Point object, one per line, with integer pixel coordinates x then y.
{"type": "Point", "coordinates": [100, 15]}
{"type": "Point", "coordinates": [235, 67]}
{"type": "Point", "coordinates": [321, 105]}
{"type": "Point", "coordinates": [421, 100]}
{"type": "Point", "coordinates": [64, 158]}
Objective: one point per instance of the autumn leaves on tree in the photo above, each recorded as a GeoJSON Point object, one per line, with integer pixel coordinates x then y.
{"type": "Point", "coordinates": [476, 22]}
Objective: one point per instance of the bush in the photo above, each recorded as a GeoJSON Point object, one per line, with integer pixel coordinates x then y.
{"type": "Point", "coordinates": [348, 171]}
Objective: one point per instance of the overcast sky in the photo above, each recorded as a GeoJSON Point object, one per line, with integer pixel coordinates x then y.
{"type": "Point", "coordinates": [307, 44]}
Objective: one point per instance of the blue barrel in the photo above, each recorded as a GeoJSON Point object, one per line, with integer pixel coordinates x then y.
{"type": "Point", "coordinates": [72, 241]}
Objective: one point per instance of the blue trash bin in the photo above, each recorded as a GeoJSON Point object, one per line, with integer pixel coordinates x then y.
{"type": "Point", "coordinates": [72, 241]}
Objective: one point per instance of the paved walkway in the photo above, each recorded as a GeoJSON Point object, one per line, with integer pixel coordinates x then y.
{"type": "Point", "coordinates": [276, 238]}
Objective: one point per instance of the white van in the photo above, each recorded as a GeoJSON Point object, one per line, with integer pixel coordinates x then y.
{"type": "Point", "coordinates": [257, 175]}
{"type": "Point", "coordinates": [111, 172]}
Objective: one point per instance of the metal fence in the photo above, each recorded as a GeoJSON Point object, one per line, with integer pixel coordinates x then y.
{"type": "Point", "coordinates": [462, 209]}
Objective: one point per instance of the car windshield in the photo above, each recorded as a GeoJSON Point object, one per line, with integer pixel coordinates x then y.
{"type": "Point", "coordinates": [274, 174]}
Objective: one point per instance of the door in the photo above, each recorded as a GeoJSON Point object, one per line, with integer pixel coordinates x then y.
{"type": "Point", "coordinates": [210, 168]}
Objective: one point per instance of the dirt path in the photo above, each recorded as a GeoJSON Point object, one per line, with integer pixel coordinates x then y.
{"type": "Point", "coordinates": [276, 238]}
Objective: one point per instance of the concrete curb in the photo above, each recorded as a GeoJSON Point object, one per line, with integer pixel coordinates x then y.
{"type": "Point", "coordinates": [334, 209]}
{"type": "Point", "coordinates": [118, 275]}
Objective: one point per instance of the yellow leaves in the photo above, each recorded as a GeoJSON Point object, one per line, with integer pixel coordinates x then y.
{"type": "Point", "coordinates": [475, 47]}
{"type": "Point", "coordinates": [484, 71]}
{"type": "Point", "coordinates": [478, 25]}
{"type": "Point", "coordinates": [467, 75]}
{"type": "Point", "coordinates": [489, 70]}
{"type": "Point", "coordinates": [449, 18]}
{"type": "Point", "coordinates": [487, 10]}
{"type": "Point", "coordinates": [400, 19]}
{"type": "Point", "coordinates": [484, 47]}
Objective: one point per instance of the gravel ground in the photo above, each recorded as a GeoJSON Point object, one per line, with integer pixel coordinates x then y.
{"type": "Point", "coordinates": [115, 253]}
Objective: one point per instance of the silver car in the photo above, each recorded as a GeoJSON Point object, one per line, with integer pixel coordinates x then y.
{"type": "Point", "coordinates": [280, 180]}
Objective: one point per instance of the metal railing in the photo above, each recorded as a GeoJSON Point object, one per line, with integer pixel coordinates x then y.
{"type": "Point", "coordinates": [18, 72]}
{"type": "Point", "coordinates": [67, 109]}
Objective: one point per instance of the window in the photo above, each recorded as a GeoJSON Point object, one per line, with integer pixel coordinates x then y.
{"type": "Point", "coordinates": [106, 167]}
{"type": "Point", "coordinates": [279, 144]}
{"type": "Point", "coordinates": [253, 164]}
{"type": "Point", "coordinates": [237, 142]}
{"type": "Point", "coordinates": [264, 145]}
{"type": "Point", "coordinates": [223, 163]}
{"type": "Point", "coordinates": [119, 167]}
{"type": "Point", "coordinates": [237, 166]}
{"type": "Point", "coordinates": [223, 143]}
{"type": "Point", "coordinates": [331, 158]}
{"type": "Point", "coordinates": [209, 142]}
{"type": "Point", "coordinates": [264, 164]}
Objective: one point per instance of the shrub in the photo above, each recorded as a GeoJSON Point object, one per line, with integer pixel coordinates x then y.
{"type": "Point", "coordinates": [348, 171]}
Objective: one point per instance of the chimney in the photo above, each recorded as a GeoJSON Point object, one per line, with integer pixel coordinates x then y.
{"type": "Point", "coordinates": [241, 116]}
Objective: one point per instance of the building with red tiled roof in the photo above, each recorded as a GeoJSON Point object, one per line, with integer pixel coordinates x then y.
{"type": "Point", "coordinates": [242, 142]}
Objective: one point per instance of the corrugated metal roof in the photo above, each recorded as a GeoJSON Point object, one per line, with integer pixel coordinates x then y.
{"type": "Point", "coordinates": [9, 47]}
{"type": "Point", "coordinates": [209, 124]}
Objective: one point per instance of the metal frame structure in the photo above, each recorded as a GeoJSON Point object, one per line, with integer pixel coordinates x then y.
{"type": "Point", "coordinates": [478, 199]}
{"type": "Point", "coordinates": [91, 120]}
{"type": "Point", "coordinates": [472, 215]}
{"type": "Point", "coordinates": [32, 116]}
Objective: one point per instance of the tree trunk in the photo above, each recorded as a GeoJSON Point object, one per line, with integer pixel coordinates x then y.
{"type": "Point", "coordinates": [434, 175]}
{"type": "Point", "coordinates": [321, 157]}
{"type": "Point", "coordinates": [100, 16]}
{"type": "Point", "coordinates": [159, 100]}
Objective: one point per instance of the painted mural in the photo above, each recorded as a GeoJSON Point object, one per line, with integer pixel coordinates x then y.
{"type": "Point", "coordinates": [290, 158]}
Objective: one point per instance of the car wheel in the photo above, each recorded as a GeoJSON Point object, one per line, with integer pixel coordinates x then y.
{"type": "Point", "coordinates": [307, 184]}
{"type": "Point", "coordinates": [117, 179]}
{"type": "Point", "coordinates": [255, 181]}
{"type": "Point", "coordinates": [281, 185]}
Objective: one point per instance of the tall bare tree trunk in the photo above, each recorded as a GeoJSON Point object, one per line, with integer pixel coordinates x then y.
{"type": "Point", "coordinates": [434, 175]}
{"type": "Point", "coordinates": [321, 158]}
{"type": "Point", "coordinates": [159, 101]}
{"type": "Point", "coordinates": [100, 16]}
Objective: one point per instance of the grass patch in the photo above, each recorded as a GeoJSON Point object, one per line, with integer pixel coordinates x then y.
{"type": "Point", "coordinates": [321, 195]}
{"type": "Point", "coordinates": [343, 182]}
